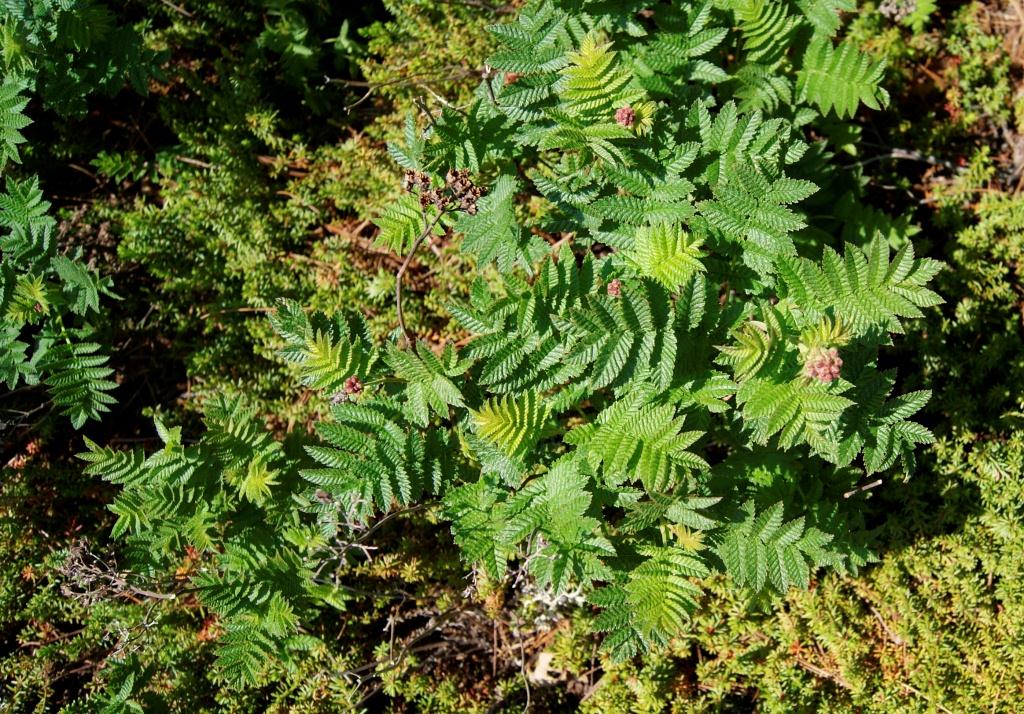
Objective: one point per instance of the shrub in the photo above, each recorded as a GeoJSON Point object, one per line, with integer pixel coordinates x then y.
{"type": "Point", "coordinates": [50, 296]}
{"type": "Point", "coordinates": [68, 50]}
{"type": "Point", "coordinates": [676, 375]}
{"type": "Point", "coordinates": [46, 298]}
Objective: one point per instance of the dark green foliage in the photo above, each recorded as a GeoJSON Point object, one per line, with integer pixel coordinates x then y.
{"type": "Point", "coordinates": [46, 302]}
{"type": "Point", "coordinates": [49, 296]}
{"type": "Point", "coordinates": [256, 573]}
{"type": "Point", "coordinates": [12, 121]}
{"type": "Point", "coordinates": [67, 50]}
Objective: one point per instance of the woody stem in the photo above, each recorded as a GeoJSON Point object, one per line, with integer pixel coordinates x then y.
{"type": "Point", "coordinates": [428, 229]}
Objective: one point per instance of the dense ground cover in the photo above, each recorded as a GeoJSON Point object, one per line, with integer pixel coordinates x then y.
{"type": "Point", "coordinates": [202, 161]}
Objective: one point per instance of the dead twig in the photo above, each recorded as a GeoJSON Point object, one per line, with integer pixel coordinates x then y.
{"type": "Point", "coordinates": [865, 487]}
{"type": "Point", "coordinates": [194, 162]}
{"type": "Point", "coordinates": [822, 673]}
{"type": "Point", "coordinates": [177, 8]}
{"type": "Point", "coordinates": [228, 310]}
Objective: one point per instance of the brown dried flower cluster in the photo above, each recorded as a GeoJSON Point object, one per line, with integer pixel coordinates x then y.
{"type": "Point", "coordinates": [458, 191]}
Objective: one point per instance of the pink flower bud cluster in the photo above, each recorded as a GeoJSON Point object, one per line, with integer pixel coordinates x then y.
{"type": "Point", "coordinates": [823, 364]}
{"type": "Point", "coordinates": [625, 116]}
{"type": "Point", "coordinates": [353, 385]}
{"type": "Point", "coordinates": [615, 288]}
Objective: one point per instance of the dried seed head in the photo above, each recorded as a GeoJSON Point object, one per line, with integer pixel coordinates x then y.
{"type": "Point", "coordinates": [625, 116]}
{"type": "Point", "coordinates": [823, 364]}
{"type": "Point", "coordinates": [897, 10]}
{"type": "Point", "coordinates": [615, 288]}
{"type": "Point", "coordinates": [458, 181]}
{"type": "Point", "coordinates": [415, 181]}
{"type": "Point", "coordinates": [461, 189]}
{"type": "Point", "coordinates": [440, 199]}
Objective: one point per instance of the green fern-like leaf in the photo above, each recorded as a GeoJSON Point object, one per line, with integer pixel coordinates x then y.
{"type": "Point", "coordinates": [24, 212]}
{"type": "Point", "coordinates": [763, 549]}
{"type": "Point", "coordinates": [32, 300]}
{"type": "Point", "coordinates": [651, 604]}
{"type": "Point", "coordinates": [402, 222]}
{"type": "Point", "coordinates": [12, 121]}
{"type": "Point", "coordinates": [619, 338]}
{"type": "Point", "coordinates": [121, 467]}
{"type": "Point", "coordinates": [761, 87]}
{"type": "Point", "coordinates": [666, 254]}
{"type": "Point", "coordinates": [13, 355]}
{"type": "Point", "coordinates": [328, 364]}
{"type": "Point", "coordinates": [512, 424]}
{"type": "Point", "coordinates": [632, 440]}
{"type": "Point", "coordinates": [799, 411]}
{"type": "Point", "coordinates": [77, 378]}
{"type": "Point", "coordinates": [408, 155]}
{"type": "Point", "coordinates": [756, 344]}
{"type": "Point", "coordinates": [863, 288]}
{"type": "Point", "coordinates": [371, 460]}
{"type": "Point", "coordinates": [752, 213]}
{"type": "Point", "coordinates": [494, 234]}
{"type": "Point", "coordinates": [477, 514]}
{"type": "Point", "coordinates": [840, 79]}
{"type": "Point", "coordinates": [244, 653]}
{"type": "Point", "coordinates": [555, 506]}
{"type": "Point", "coordinates": [328, 351]}
{"type": "Point", "coordinates": [428, 384]}
{"type": "Point", "coordinates": [824, 14]}
{"type": "Point", "coordinates": [682, 510]}
{"type": "Point", "coordinates": [880, 427]}
{"type": "Point", "coordinates": [594, 85]}
{"type": "Point", "coordinates": [767, 28]}
{"type": "Point", "coordinates": [81, 287]}
{"type": "Point", "coordinates": [535, 43]}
